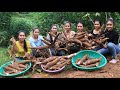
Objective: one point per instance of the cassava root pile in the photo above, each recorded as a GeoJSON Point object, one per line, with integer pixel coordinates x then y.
{"type": "Point", "coordinates": [16, 67]}
{"type": "Point", "coordinates": [57, 62]}
{"type": "Point", "coordinates": [87, 62]}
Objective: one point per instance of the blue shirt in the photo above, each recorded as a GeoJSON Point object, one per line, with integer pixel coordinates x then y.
{"type": "Point", "coordinates": [36, 43]}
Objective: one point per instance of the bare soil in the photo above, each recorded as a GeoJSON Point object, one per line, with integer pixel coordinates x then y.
{"type": "Point", "coordinates": [108, 71]}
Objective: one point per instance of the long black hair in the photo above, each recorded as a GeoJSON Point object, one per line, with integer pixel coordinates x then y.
{"type": "Point", "coordinates": [25, 45]}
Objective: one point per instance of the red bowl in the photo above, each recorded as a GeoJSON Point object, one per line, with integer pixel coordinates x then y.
{"type": "Point", "coordinates": [52, 71]}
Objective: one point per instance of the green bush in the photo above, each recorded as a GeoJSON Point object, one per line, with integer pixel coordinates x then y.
{"type": "Point", "coordinates": [3, 37]}
{"type": "Point", "coordinates": [18, 24]}
{"type": "Point", "coordinates": [5, 19]}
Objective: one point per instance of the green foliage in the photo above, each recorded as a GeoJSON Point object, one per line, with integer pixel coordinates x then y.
{"type": "Point", "coordinates": [3, 37]}
{"type": "Point", "coordinates": [4, 57]}
{"type": "Point", "coordinates": [46, 19]}
{"type": "Point", "coordinates": [28, 20]}
{"type": "Point", "coordinates": [18, 24]}
{"type": "Point", "coordinates": [5, 19]}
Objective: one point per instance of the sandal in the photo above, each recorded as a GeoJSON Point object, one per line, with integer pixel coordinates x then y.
{"type": "Point", "coordinates": [113, 61]}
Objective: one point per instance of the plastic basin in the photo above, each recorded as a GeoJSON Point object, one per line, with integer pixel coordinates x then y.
{"type": "Point", "coordinates": [13, 75]}
{"type": "Point", "coordinates": [91, 54]}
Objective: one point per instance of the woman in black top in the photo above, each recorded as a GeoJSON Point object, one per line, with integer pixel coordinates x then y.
{"type": "Point", "coordinates": [97, 29]}
{"type": "Point", "coordinates": [113, 44]}
{"type": "Point", "coordinates": [96, 33]}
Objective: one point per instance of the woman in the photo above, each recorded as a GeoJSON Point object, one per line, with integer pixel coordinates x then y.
{"type": "Point", "coordinates": [21, 47]}
{"type": "Point", "coordinates": [80, 27]}
{"type": "Point", "coordinates": [96, 33]}
{"type": "Point", "coordinates": [113, 44]}
{"type": "Point", "coordinates": [36, 41]}
{"type": "Point", "coordinates": [97, 29]}
{"type": "Point", "coordinates": [54, 31]}
{"type": "Point", "coordinates": [36, 38]}
{"type": "Point", "coordinates": [69, 34]}
{"type": "Point", "coordinates": [51, 39]}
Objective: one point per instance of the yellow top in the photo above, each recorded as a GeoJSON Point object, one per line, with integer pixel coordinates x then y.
{"type": "Point", "coordinates": [21, 51]}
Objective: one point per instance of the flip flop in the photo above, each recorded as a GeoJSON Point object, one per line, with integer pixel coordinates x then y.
{"type": "Point", "coordinates": [113, 61]}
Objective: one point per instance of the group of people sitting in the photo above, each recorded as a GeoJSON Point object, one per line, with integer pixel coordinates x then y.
{"type": "Point", "coordinates": [22, 47]}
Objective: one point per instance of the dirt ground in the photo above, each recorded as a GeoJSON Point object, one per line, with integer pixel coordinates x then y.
{"type": "Point", "coordinates": [108, 71]}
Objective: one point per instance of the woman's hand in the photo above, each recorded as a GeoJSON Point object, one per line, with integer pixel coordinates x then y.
{"type": "Point", "coordinates": [13, 40]}
{"type": "Point", "coordinates": [27, 55]}
{"type": "Point", "coordinates": [39, 47]}
{"type": "Point", "coordinates": [90, 35]}
{"type": "Point", "coordinates": [105, 46]}
{"type": "Point", "coordinates": [93, 47]}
